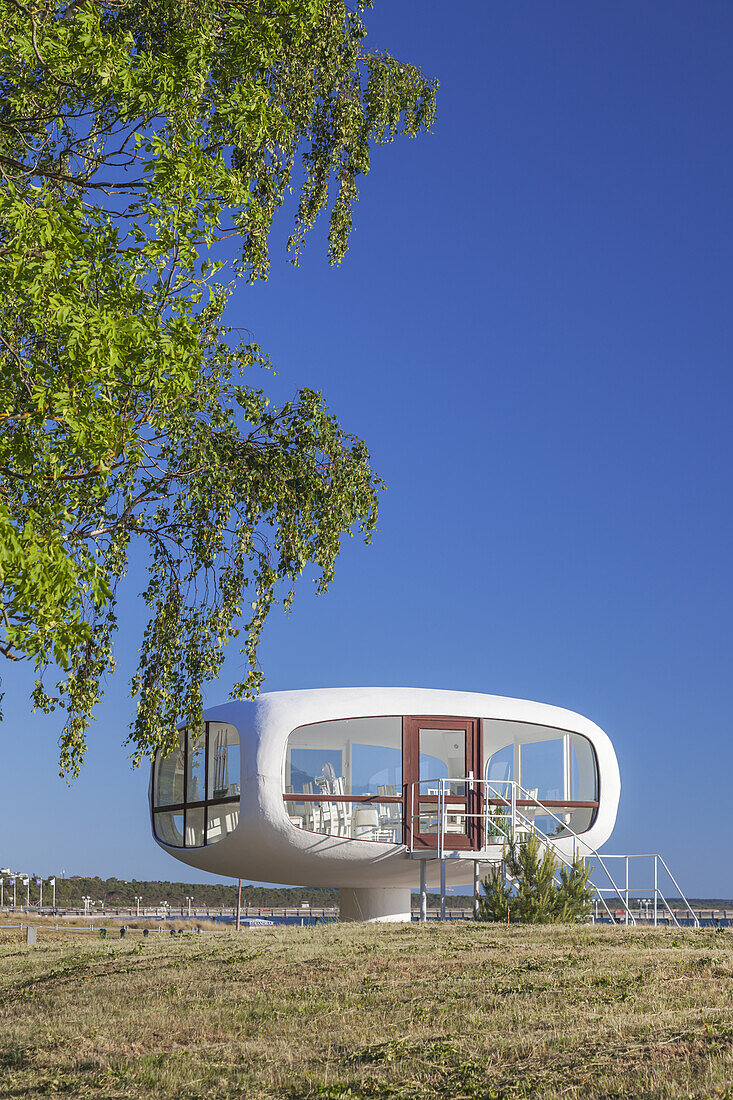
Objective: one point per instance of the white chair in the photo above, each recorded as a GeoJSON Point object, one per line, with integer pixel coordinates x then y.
{"type": "Point", "coordinates": [311, 816]}
{"type": "Point", "coordinates": [329, 818]}
{"type": "Point", "coordinates": [343, 816]}
{"type": "Point", "coordinates": [295, 818]}
{"type": "Point", "coordinates": [341, 810]}
{"type": "Point", "coordinates": [390, 816]}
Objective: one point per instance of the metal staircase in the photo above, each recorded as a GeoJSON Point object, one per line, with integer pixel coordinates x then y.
{"type": "Point", "coordinates": [504, 818]}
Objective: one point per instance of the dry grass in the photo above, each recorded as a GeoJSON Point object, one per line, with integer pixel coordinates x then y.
{"type": "Point", "coordinates": [113, 924]}
{"type": "Point", "coordinates": [459, 1011]}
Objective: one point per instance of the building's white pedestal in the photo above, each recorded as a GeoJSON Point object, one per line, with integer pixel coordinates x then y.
{"type": "Point", "coordinates": [375, 905]}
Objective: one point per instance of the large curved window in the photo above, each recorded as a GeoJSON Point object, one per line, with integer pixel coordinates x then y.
{"type": "Point", "coordinates": [395, 779]}
{"type": "Point", "coordinates": [554, 766]}
{"type": "Point", "coordinates": [196, 787]}
{"type": "Point", "coordinates": [344, 778]}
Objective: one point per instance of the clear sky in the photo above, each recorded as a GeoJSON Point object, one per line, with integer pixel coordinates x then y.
{"type": "Point", "coordinates": [532, 331]}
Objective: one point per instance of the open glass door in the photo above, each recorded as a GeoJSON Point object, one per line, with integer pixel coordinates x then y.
{"type": "Point", "coordinates": [442, 749]}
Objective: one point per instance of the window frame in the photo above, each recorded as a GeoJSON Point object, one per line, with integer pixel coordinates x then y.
{"type": "Point", "coordinates": [478, 752]}
{"type": "Point", "coordinates": [185, 806]}
{"type": "Point", "coordinates": [376, 799]}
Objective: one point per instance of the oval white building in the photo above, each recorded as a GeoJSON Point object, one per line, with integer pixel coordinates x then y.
{"type": "Point", "coordinates": [359, 788]}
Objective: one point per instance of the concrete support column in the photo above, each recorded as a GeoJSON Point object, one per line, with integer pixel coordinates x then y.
{"type": "Point", "coordinates": [423, 891]}
{"type": "Point", "coordinates": [442, 889]}
{"type": "Point", "coordinates": [393, 904]}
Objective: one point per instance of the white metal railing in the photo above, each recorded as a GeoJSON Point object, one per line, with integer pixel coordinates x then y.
{"type": "Point", "coordinates": [500, 828]}
{"type": "Point", "coordinates": [658, 869]}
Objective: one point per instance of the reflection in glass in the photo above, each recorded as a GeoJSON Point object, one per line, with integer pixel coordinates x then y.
{"type": "Point", "coordinates": [310, 769]}
{"type": "Point", "coordinates": [551, 765]}
{"type": "Point", "coordinates": [223, 761]}
{"type": "Point", "coordinates": [542, 769]}
{"type": "Point", "coordinates": [499, 765]}
{"type": "Point", "coordinates": [428, 817]}
{"type": "Point", "coordinates": [195, 827]}
{"type": "Point", "coordinates": [169, 828]}
{"type": "Point", "coordinates": [380, 821]}
{"type": "Point", "coordinates": [454, 816]}
{"type": "Point", "coordinates": [348, 756]}
{"type": "Point", "coordinates": [196, 779]}
{"type": "Point", "coordinates": [169, 776]}
{"type": "Point", "coordinates": [442, 756]}
{"type": "Point", "coordinates": [376, 767]}
{"type": "Point", "coordinates": [210, 793]}
{"type": "Point", "coordinates": [221, 821]}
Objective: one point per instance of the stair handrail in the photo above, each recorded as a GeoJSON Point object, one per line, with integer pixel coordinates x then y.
{"type": "Point", "coordinates": [677, 886]}
{"type": "Point", "coordinates": [511, 802]}
{"type": "Point", "coordinates": [657, 859]}
{"type": "Point", "coordinates": [548, 842]}
{"type": "Point", "coordinates": [514, 792]}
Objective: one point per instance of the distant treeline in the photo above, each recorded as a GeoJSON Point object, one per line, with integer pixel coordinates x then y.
{"type": "Point", "coordinates": [116, 892]}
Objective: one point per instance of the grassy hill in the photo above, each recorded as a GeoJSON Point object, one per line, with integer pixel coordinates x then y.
{"type": "Point", "coordinates": [479, 1012]}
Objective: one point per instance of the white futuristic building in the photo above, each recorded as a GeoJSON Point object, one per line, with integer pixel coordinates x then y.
{"type": "Point", "coordinates": [379, 790]}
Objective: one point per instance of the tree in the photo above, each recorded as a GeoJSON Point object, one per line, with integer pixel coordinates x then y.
{"type": "Point", "coordinates": [135, 135]}
{"type": "Point", "coordinates": [534, 895]}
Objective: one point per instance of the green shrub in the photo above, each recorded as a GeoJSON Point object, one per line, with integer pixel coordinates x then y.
{"type": "Point", "coordinates": [537, 892]}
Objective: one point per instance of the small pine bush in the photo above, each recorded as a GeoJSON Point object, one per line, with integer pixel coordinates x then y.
{"type": "Point", "coordinates": [536, 896]}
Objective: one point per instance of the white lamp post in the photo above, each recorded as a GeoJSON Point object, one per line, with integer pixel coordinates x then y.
{"type": "Point", "coordinates": [27, 884]}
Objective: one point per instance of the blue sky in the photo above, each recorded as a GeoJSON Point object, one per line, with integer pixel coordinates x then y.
{"type": "Point", "coordinates": [532, 331]}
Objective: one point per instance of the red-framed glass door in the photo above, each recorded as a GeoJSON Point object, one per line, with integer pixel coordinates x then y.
{"type": "Point", "coordinates": [435, 749]}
